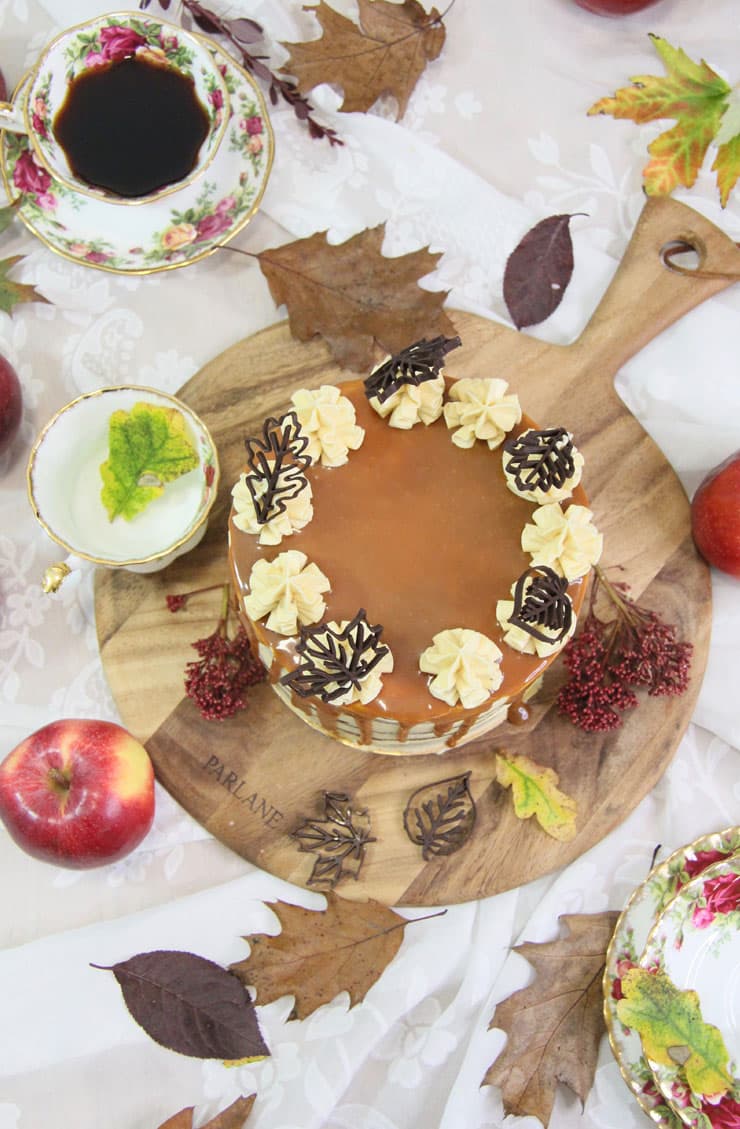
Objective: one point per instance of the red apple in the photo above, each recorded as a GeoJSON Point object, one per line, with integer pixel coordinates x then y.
{"type": "Point", "coordinates": [715, 516]}
{"type": "Point", "coordinates": [615, 7]}
{"type": "Point", "coordinates": [77, 793]}
{"type": "Point", "coordinates": [11, 404]}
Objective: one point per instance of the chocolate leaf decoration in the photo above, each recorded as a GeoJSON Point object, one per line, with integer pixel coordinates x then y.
{"type": "Point", "coordinates": [538, 271]}
{"type": "Point", "coordinates": [555, 1025]}
{"type": "Point", "coordinates": [540, 460]}
{"type": "Point", "coordinates": [338, 840]}
{"type": "Point", "coordinates": [413, 365]}
{"type": "Point", "coordinates": [541, 600]}
{"type": "Point", "coordinates": [13, 293]}
{"type": "Point", "coordinates": [317, 955]}
{"type": "Point", "coordinates": [386, 54]}
{"type": "Point", "coordinates": [353, 296]}
{"type": "Point", "coordinates": [190, 1005]}
{"type": "Point", "coordinates": [441, 816]}
{"type": "Point", "coordinates": [233, 1117]}
{"type": "Point", "coordinates": [334, 662]}
{"type": "Point", "coordinates": [277, 464]}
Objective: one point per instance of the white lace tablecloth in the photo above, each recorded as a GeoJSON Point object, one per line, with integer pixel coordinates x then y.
{"type": "Point", "coordinates": [496, 136]}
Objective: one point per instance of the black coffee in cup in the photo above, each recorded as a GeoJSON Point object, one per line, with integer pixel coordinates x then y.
{"type": "Point", "coordinates": [132, 126]}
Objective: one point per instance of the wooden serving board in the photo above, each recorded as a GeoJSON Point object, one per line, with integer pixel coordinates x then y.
{"type": "Point", "coordinates": [252, 779]}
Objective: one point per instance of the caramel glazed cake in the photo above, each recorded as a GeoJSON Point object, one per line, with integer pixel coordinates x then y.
{"type": "Point", "coordinates": [409, 553]}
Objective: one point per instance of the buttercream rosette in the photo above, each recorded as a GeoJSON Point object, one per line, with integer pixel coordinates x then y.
{"type": "Point", "coordinates": [481, 408]}
{"type": "Point", "coordinates": [465, 665]}
{"type": "Point", "coordinates": [288, 590]}
{"type": "Point", "coordinates": [412, 403]}
{"type": "Point", "coordinates": [296, 514]}
{"type": "Point", "coordinates": [553, 493]}
{"type": "Point", "coordinates": [328, 421]}
{"type": "Point", "coordinates": [566, 540]}
{"type": "Point", "coordinates": [519, 639]}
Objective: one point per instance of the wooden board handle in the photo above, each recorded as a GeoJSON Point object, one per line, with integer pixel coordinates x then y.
{"type": "Point", "coordinates": [646, 296]}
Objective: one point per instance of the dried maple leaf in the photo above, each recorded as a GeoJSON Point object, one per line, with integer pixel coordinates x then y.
{"type": "Point", "coordinates": [696, 98]}
{"type": "Point", "coordinates": [554, 1026]}
{"type": "Point", "coordinates": [317, 955]}
{"type": "Point", "coordinates": [353, 296]}
{"type": "Point", "coordinates": [11, 293]}
{"type": "Point", "coordinates": [233, 1117]}
{"type": "Point", "coordinates": [385, 54]}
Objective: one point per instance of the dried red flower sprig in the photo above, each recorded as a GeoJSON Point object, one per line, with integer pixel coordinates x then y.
{"type": "Point", "coordinates": [240, 32]}
{"type": "Point", "coordinates": [611, 656]}
{"type": "Point", "coordinates": [218, 680]}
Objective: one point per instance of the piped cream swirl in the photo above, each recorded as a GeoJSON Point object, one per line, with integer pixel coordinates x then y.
{"type": "Point", "coordinates": [288, 590]}
{"type": "Point", "coordinates": [412, 403]}
{"type": "Point", "coordinates": [465, 665]}
{"type": "Point", "coordinates": [297, 513]}
{"type": "Point", "coordinates": [481, 408]}
{"type": "Point", "coordinates": [328, 421]}
{"type": "Point", "coordinates": [566, 540]}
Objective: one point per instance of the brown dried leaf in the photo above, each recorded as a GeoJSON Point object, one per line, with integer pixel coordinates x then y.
{"type": "Point", "coordinates": [554, 1026]}
{"type": "Point", "coordinates": [353, 296]}
{"type": "Point", "coordinates": [538, 271]}
{"type": "Point", "coordinates": [386, 54]}
{"type": "Point", "coordinates": [233, 1117]}
{"type": "Point", "coordinates": [345, 947]}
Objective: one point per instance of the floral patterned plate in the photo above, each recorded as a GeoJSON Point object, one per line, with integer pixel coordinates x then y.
{"type": "Point", "coordinates": [168, 232]}
{"type": "Point", "coordinates": [696, 942]}
{"type": "Point", "coordinates": [627, 943]}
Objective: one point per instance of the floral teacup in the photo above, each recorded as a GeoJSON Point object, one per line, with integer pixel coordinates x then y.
{"type": "Point", "coordinates": [65, 488]}
{"type": "Point", "coordinates": [86, 50]}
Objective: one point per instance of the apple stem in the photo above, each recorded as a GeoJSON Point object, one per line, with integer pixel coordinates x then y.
{"type": "Point", "coordinates": [59, 778]}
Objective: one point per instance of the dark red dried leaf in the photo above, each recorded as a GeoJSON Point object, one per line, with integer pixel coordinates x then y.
{"type": "Point", "coordinates": [538, 271]}
{"type": "Point", "coordinates": [190, 1005]}
{"type": "Point", "coordinates": [245, 30]}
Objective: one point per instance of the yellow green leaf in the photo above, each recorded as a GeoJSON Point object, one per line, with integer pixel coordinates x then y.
{"type": "Point", "coordinates": [11, 293]}
{"type": "Point", "coordinates": [727, 167]}
{"type": "Point", "coordinates": [670, 1024]}
{"type": "Point", "coordinates": [690, 93]}
{"type": "Point", "coordinates": [535, 791]}
{"type": "Point", "coordinates": [148, 447]}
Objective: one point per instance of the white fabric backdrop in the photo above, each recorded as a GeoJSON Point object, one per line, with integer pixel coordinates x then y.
{"type": "Point", "coordinates": [496, 136]}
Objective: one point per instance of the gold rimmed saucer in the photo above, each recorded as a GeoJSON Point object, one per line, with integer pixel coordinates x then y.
{"type": "Point", "coordinates": [166, 233]}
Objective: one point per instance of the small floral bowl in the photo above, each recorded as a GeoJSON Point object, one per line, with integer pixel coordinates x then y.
{"type": "Point", "coordinates": [64, 489]}
{"type": "Point", "coordinates": [98, 43]}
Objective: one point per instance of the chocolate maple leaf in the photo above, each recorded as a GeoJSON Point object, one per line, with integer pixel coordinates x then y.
{"type": "Point", "coordinates": [353, 296]}
{"type": "Point", "coordinates": [696, 98]}
{"type": "Point", "coordinates": [554, 1026]}
{"type": "Point", "coordinates": [338, 840]}
{"type": "Point", "coordinates": [385, 54]}
{"type": "Point", "coordinates": [318, 954]}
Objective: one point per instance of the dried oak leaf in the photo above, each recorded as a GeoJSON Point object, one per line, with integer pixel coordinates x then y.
{"type": "Point", "coordinates": [233, 1117]}
{"type": "Point", "coordinates": [702, 105]}
{"type": "Point", "coordinates": [353, 296]}
{"type": "Point", "coordinates": [554, 1026]}
{"type": "Point", "coordinates": [319, 954]}
{"type": "Point", "coordinates": [385, 54]}
{"type": "Point", "coordinates": [535, 792]}
{"type": "Point", "coordinates": [538, 271]}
